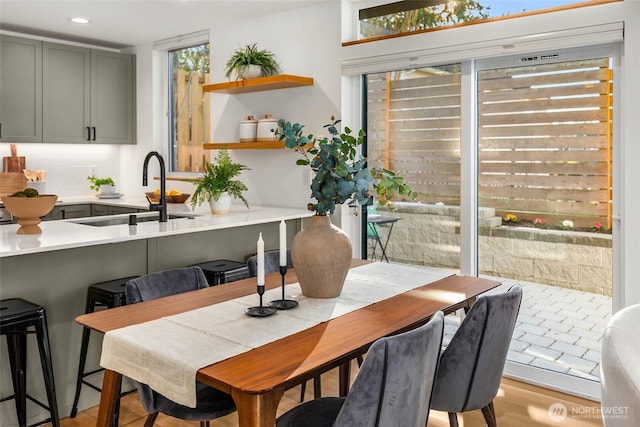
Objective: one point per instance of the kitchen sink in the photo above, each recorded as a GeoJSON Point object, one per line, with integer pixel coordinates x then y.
{"type": "Point", "coordinates": [124, 219]}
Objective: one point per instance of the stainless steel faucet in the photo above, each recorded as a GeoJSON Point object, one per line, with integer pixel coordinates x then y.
{"type": "Point", "coordinates": [162, 206]}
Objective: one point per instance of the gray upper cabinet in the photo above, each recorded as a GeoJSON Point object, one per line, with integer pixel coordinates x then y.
{"type": "Point", "coordinates": [112, 98]}
{"type": "Point", "coordinates": [88, 95]}
{"type": "Point", "coordinates": [66, 93]}
{"type": "Point", "coordinates": [20, 89]}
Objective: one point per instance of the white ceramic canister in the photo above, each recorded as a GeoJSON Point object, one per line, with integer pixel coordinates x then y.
{"type": "Point", "coordinates": [265, 125]}
{"type": "Point", "coordinates": [248, 129]}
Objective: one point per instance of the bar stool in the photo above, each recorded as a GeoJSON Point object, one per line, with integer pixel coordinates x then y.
{"type": "Point", "coordinates": [107, 294]}
{"type": "Point", "coordinates": [223, 271]}
{"type": "Point", "coordinates": [16, 317]}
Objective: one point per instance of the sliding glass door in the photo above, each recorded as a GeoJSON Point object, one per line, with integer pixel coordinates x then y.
{"type": "Point", "coordinates": [522, 149]}
{"type": "Point", "coordinates": [545, 173]}
{"type": "Point", "coordinates": [413, 129]}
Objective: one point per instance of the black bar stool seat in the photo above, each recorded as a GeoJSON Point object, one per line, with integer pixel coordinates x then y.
{"type": "Point", "coordinates": [107, 294]}
{"type": "Point", "coordinates": [17, 316]}
{"type": "Point", "coordinates": [223, 271]}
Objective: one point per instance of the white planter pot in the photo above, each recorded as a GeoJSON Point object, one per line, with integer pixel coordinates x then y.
{"type": "Point", "coordinates": [222, 205]}
{"type": "Point", "coordinates": [251, 72]}
{"type": "Point", "coordinates": [107, 189]}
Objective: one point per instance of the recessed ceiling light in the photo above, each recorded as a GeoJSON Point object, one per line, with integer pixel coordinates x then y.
{"type": "Point", "coordinates": [80, 20]}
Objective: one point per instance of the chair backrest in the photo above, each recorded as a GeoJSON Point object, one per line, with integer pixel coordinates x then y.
{"type": "Point", "coordinates": [158, 285]}
{"type": "Point", "coordinates": [165, 283]}
{"type": "Point", "coordinates": [471, 367]}
{"type": "Point", "coordinates": [394, 384]}
{"type": "Point", "coordinates": [271, 262]}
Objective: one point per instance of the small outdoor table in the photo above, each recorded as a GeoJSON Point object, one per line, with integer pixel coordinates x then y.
{"type": "Point", "coordinates": [372, 222]}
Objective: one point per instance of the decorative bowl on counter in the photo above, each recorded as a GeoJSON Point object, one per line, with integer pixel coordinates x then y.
{"type": "Point", "coordinates": [28, 210]}
{"type": "Point", "coordinates": [179, 198]}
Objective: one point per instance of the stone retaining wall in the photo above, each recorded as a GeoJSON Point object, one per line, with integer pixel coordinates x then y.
{"type": "Point", "coordinates": [430, 235]}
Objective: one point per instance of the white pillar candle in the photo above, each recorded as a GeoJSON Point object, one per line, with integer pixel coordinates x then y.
{"type": "Point", "coordinates": [283, 244]}
{"type": "Point", "coordinates": [260, 257]}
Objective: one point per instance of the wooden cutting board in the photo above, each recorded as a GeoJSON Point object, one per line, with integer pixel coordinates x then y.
{"type": "Point", "coordinates": [13, 163]}
{"type": "Point", "coordinates": [10, 182]}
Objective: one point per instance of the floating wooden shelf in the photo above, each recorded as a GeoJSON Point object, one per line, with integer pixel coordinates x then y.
{"type": "Point", "coordinates": [280, 81]}
{"type": "Point", "coordinates": [253, 145]}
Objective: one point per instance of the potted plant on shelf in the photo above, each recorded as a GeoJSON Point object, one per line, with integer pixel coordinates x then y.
{"type": "Point", "coordinates": [217, 185]}
{"type": "Point", "coordinates": [322, 252]}
{"type": "Point", "coordinates": [102, 185]}
{"type": "Point", "coordinates": [250, 62]}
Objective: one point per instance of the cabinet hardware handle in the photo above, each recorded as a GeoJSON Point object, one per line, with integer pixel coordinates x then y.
{"type": "Point", "coordinates": [94, 133]}
{"type": "Point", "coordinates": [88, 133]}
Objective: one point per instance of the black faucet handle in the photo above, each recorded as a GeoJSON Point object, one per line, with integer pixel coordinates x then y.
{"type": "Point", "coordinates": [152, 206]}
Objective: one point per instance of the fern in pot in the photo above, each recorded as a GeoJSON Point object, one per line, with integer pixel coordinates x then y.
{"type": "Point", "coordinates": [217, 185]}
{"type": "Point", "coordinates": [250, 62]}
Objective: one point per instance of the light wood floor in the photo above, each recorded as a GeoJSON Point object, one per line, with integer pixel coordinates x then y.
{"type": "Point", "coordinates": [517, 404]}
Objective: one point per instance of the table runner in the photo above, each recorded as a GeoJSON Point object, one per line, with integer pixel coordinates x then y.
{"type": "Point", "coordinates": [167, 353]}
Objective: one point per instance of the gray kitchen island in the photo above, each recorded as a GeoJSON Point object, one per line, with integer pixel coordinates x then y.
{"type": "Point", "coordinates": [55, 268]}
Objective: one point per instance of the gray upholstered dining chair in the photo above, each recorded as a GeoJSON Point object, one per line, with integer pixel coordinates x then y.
{"type": "Point", "coordinates": [471, 366]}
{"type": "Point", "coordinates": [211, 403]}
{"type": "Point", "coordinates": [271, 262]}
{"type": "Point", "coordinates": [392, 389]}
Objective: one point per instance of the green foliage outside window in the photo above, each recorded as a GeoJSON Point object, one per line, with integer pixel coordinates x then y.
{"type": "Point", "coordinates": [192, 59]}
{"type": "Point", "coordinates": [439, 15]}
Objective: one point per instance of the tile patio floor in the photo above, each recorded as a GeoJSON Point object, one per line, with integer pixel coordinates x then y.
{"type": "Point", "coordinates": [557, 329]}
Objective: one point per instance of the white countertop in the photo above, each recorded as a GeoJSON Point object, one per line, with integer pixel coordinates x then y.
{"type": "Point", "coordinates": [66, 234]}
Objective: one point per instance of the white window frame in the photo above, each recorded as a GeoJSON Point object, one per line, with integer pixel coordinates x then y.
{"type": "Point", "coordinates": [161, 67]}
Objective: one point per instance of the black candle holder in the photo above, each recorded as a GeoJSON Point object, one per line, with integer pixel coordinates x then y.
{"type": "Point", "coordinates": [260, 311]}
{"type": "Point", "coordinates": [283, 304]}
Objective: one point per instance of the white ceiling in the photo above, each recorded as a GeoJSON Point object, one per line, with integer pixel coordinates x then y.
{"type": "Point", "coordinates": [123, 23]}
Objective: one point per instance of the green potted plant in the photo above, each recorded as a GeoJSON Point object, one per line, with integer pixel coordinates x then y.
{"type": "Point", "coordinates": [102, 185]}
{"type": "Point", "coordinates": [322, 252]}
{"type": "Point", "coordinates": [340, 174]}
{"type": "Point", "coordinates": [250, 62]}
{"type": "Point", "coordinates": [217, 185]}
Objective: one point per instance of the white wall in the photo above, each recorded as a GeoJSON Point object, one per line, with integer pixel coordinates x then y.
{"type": "Point", "coordinates": [629, 157]}
{"type": "Point", "coordinates": [306, 42]}
{"type": "Point", "coordinates": [68, 165]}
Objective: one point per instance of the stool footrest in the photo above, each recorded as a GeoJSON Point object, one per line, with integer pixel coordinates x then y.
{"type": "Point", "coordinates": [95, 371]}
{"type": "Point", "coordinates": [37, 402]}
{"type": "Point", "coordinates": [39, 423]}
{"type": "Point", "coordinates": [88, 384]}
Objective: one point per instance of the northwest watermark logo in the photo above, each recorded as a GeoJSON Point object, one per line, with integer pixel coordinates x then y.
{"type": "Point", "coordinates": [558, 412]}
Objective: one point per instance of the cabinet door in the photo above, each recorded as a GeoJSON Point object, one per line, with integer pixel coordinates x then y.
{"type": "Point", "coordinates": [66, 93]}
{"type": "Point", "coordinates": [118, 210]}
{"type": "Point", "coordinates": [20, 90]}
{"type": "Point", "coordinates": [112, 98]}
{"type": "Point", "coordinates": [68, 212]}
{"type": "Point", "coordinates": [99, 210]}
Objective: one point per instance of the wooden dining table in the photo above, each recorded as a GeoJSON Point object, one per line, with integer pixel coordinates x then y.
{"type": "Point", "coordinates": [257, 379]}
